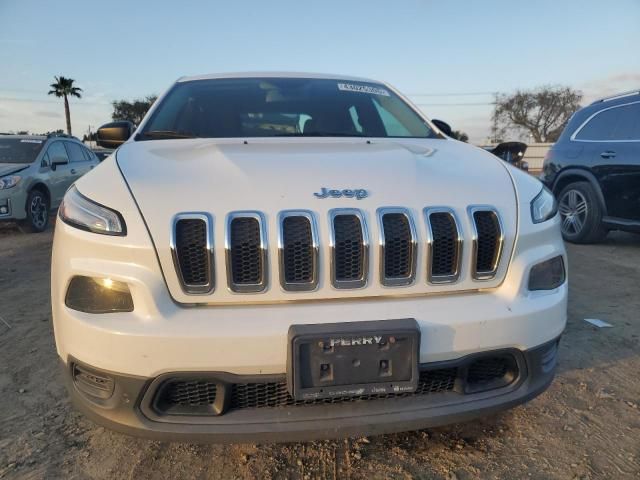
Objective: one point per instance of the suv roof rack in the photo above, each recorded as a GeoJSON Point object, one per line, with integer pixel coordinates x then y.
{"type": "Point", "coordinates": [63, 135]}
{"type": "Point", "coordinates": [618, 95]}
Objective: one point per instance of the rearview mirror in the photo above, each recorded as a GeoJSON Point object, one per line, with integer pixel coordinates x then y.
{"type": "Point", "coordinates": [114, 134]}
{"type": "Point", "coordinates": [444, 127]}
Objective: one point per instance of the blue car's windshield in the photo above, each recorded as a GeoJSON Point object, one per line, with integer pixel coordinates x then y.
{"type": "Point", "coordinates": [269, 107]}
{"type": "Point", "coordinates": [19, 150]}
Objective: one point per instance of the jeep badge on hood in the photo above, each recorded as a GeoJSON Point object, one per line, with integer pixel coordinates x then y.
{"type": "Point", "coordinates": [358, 193]}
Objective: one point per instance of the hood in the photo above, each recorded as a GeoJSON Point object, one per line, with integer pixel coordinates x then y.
{"type": "Point", "coordinates": [9, 168]}
{"type": "Point", "coordinates": [167, 177]}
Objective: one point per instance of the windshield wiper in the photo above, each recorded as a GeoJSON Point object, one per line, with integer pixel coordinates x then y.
{"type": "Point", "coordinates": [163, 134]}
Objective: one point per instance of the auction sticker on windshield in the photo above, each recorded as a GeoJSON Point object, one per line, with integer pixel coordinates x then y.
{"type": "Point", "coordinates": [352, 87]}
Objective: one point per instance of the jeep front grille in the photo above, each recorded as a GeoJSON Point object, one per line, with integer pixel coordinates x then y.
{"type": "Point", "coordinates": [193, 252]}
{"type": "Point", "coordinates": [246, 252]}
{"type": "Point", "coordinates": [398, 247]}
{"type": "Point", "coordinates": [350, 249]}
{"type": "Point", "coordinates": [444, 244]}
{"type": "Point", "coordinates": [299, 251]}
{"type": "Point", "coordinates": [487, 242]}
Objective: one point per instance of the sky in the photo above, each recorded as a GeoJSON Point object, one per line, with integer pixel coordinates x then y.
{"type": "Point", "coordinates": [449, 57]}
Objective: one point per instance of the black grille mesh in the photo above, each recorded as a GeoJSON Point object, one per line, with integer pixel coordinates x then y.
{"type": "Point", "coordinates": [274, 394]}
{"type": "Point", "coordinates": [297, 249]}
{"type": "Point", "coordinates": [444, 253]}
{"type": "Point", "coordinates": [349, 250]}
{"type": "Point", "coordinates": [193, 396]}
{"type": "Point", "coordinates": [488, 229]}
{"type": "Point", "coordinates": [189, 393]}
{"type": "Point", "coordinates": [191, 250]}
{"type": "Point", "coordinates": [246, 254]}
{"type": "Point", "coordinates": [488, 369]}
{"type": "Point", "coordinates": [398, 248]}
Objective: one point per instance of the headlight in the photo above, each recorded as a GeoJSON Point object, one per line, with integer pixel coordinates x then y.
{"type": "Point", "coordinates": [80, 212]}
{"type": "Point", "coordinates": [9, 181]}
{"type": "Point", "coordinates": [547, 275]}
{"type": "Point", "coordinates": [98, 295]}
{"type": "Point", "coordinates": [544, 206]}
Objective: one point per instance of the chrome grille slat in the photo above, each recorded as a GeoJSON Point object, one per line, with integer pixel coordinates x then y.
{"type": "Point", "coordinates": [444, 245]}
{"type": "Point", "coordinates": [488, 241]}
{"type": "Point", "coordinates": [298, 250]}
{"type": "Point", "coordinates": [349, 249]}
{"type": "Point", "coordinates": [398, 246]}
{"type": "Point", "coordinates": [192, 252]}
{"type": "Point", "coordinates": [246, 252]}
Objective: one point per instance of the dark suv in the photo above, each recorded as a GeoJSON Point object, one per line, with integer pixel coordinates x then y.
{"type": "Point", "coordinates": [594, 169]}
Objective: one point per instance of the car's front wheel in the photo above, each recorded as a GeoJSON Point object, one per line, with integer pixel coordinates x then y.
{"type": "Point", "coordinates": [581, 214]}
{"type": "Point", "coordinates": [37, 212]}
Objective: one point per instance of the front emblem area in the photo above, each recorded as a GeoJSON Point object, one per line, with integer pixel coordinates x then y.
{"type": "Point", "coordinates": [357, 193]}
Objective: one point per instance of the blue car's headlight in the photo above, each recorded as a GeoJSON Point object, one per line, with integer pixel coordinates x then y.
{"type": "Point", "coordinates": [9, 181]}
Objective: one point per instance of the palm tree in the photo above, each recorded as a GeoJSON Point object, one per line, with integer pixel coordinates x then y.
{"type": "Point", "coordinates": [63, 87]}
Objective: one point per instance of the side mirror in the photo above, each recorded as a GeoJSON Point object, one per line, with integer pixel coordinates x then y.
{"type": "Point", "coordinates": [114, 134]}
{"type": "Point", "coordinates": [55, 161]}
{"type": "Point", "coordinates": [444, 127]}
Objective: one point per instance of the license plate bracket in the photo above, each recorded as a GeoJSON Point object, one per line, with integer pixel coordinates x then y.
{"type": "Point", "coordinates": [353, 358]}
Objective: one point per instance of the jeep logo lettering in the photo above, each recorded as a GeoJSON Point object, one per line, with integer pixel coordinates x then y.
{"type": "Point", "coordinates": [358, 193]}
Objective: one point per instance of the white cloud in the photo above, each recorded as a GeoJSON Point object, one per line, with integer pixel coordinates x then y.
{"type": "Point", "coordinates": [42, 116]}
{"type": "Point", "coordinates": [48, 114]}
{"type": "Point", "coordinates": [610, 85]}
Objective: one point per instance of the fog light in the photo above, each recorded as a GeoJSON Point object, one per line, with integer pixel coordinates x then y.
{"type": "Point", "coordinates": [98, 295]}
{"type": "Point", "coordinates": [4, 210]}
{"type": "Point", "coordinates": [92, 382]}
{"type": "Point", "coordinates": [547, 275]}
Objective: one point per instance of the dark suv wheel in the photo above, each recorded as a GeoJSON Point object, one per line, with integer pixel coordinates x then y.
{"type": "Point", "coordinates": [37, 212]}
{"type": "Point", "coordinates": [581, 214]}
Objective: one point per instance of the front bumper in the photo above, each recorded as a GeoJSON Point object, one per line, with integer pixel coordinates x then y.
{"type": "Point", "coordinates": [14, 200]}
{"type": "Point", "coordinates": [130, 409]}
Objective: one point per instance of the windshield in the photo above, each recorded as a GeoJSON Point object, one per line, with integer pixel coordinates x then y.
{"type": "Point", "coordinates": [19, 150]}
{"type": "Point", "coordinates": [272, 107]}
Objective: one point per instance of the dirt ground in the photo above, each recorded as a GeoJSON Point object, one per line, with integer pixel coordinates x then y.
{"type": "Point", "coordinates": [587, 425]}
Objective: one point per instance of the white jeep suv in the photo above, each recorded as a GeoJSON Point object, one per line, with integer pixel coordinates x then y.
{"type": "Point", "coordinates": [298, 256]}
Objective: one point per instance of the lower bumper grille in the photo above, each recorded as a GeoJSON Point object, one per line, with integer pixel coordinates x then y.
{"type": "Point", "coordinates": [275, 394]}
{"type": "Point", "coordinates": [199, 396]}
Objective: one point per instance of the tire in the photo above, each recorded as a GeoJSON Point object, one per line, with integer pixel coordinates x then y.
{"type": "Point", "coordinates": [581, 214]}
{"type": "Point", "coordinates": [37, 212]}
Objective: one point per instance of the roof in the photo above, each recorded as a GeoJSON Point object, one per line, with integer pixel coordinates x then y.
{"type": "Point", "coordinates": [25, 137]}
{"type": "Point", "coordinates": [326, 76]}
{"type": "Point", "coordinates": [618, 96]}
{"type": "Point", "coordinates": [40, 137]}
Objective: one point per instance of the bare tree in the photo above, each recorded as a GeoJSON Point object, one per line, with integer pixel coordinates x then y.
{"type": "Point", "coordinates": [542, 112]}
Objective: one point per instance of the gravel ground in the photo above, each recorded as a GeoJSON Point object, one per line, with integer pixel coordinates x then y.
{"type": "Point", "coordinates": [587, 425]}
